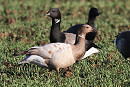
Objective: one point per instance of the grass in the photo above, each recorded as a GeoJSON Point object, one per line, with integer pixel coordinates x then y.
{"type": "Point", "coordinates": [23, 25]}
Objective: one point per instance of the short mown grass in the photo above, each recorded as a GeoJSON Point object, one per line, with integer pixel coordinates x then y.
{"type": "Point", "coordinates": [23, 24]}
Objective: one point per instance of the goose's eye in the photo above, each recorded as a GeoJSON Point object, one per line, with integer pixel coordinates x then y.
{"type": "Point", "coordinates": [53, 11]}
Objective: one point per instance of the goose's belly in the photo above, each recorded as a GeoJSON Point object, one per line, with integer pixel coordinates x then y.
{"type": "Point", "coordinates": [63, 58]}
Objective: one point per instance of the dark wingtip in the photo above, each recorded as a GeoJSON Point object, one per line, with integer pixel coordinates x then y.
{"type": "Point", "coordinates": [17, 54]}
{"type": "Point", "coordinates": [94, 45]}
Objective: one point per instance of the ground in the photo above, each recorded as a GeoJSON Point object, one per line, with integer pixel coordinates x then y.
{"type": "Point", "coordinates": [23, 24]}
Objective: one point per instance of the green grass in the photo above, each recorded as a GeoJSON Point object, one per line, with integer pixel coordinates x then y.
{"type": "Point", "coordinates": [23, 24]}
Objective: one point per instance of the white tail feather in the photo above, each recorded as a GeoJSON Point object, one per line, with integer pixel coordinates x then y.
{"type": "Point", "coordinates": [92, 50]}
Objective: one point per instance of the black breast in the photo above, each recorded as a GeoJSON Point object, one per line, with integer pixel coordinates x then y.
{"type": "Point", "coordinates": [124, 39]}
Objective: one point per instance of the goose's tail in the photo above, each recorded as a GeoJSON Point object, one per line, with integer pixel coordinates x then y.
{"type": "Point", "coordinates": [30, 51]}
{"type": "Point", "coordinates": [91, 51]}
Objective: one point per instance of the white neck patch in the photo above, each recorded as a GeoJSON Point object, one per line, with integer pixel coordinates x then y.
{"type": "Point", "coordinates": [82, 36]}
{"type": "Point", "coordinates": [57, 21]}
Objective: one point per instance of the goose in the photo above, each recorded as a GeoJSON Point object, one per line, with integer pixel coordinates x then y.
{"type": "Point", "coordinates": [55, 56]}
{"type": "Point", "coordinates": [57, 36]}
{"type": "Point", "coordinates": [123, 43]}
{"type": "Point", "coordinates": [93, 13]}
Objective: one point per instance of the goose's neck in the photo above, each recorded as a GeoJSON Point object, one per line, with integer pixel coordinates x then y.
{"type": "Point", "coordinates": [80, 39]}
{"type": "Point", "coordinates": [55, 33]}
{"type": "Point", "coordinates": [79, 46]}
{"type": "Point", "coordinates": [55, 25]}
{"type": "Point", "coordinates": [91, 21]}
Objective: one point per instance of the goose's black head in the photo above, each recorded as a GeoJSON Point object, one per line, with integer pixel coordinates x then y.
{"type": "Point", "coordinates": [54, 13]}
{"type": "Point", "coordinates": [93, 12]}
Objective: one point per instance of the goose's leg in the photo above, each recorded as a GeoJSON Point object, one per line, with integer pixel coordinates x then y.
{"type": "Point", "coordinates": [49, 73]}
{"type": "Point", "coordinates": [57, 70]}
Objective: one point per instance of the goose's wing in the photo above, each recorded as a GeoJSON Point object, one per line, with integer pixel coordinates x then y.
{"type": "Point", "coordinates": [70, 38]}
{"type": "Point", "coordinates": [42, 54]}
{"type": "Point", "coordinates": [47, 50]}
{"type": "Point", "coordinates": [73, 29]}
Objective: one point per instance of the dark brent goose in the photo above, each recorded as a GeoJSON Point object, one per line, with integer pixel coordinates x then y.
{"type": "Point", "coordinates": [93, 13]}
{"type": "Point", "coordinates": [57, 36]}
{"type": "Point", "coordinates": [123, 43]}
{"type": "Point", "coordinates": [55, 55]}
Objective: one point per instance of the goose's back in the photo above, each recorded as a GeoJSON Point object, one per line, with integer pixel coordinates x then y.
{"type": "Point", "coordinates": [70, 38]}
{"type": "Point", "coordinates": [75, 28]}
{"type": "Point", "coordinates": [49, 49]}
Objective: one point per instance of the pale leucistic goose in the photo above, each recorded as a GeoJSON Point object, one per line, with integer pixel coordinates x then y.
{"type": "Point", "coordinates": [57, 36]}
{"type": "Point", "coordinates": [58, 55]}
{"type": "Point", "coordinates": [123, 43]}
